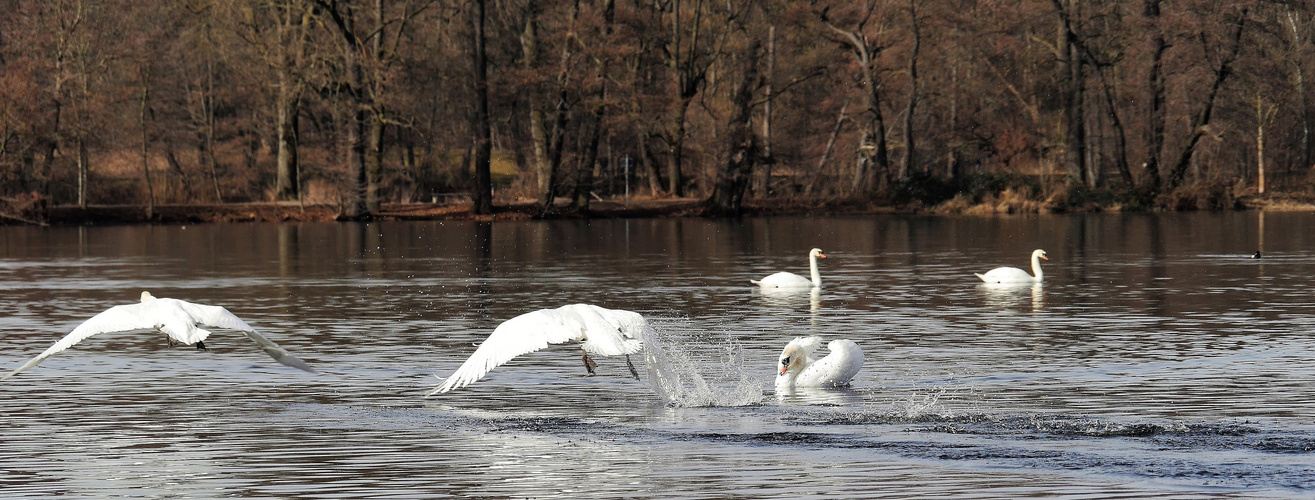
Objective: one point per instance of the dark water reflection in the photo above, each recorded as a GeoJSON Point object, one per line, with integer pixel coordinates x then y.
{"type": "Point", "coordinates": [1157, 359]}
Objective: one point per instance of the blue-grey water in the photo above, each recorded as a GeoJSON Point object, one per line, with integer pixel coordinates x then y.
{"type": "Point", "coordinates": [1157, 360]}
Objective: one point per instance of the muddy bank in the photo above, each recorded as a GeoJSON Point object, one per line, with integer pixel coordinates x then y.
{"type": "Point", "coordinates": [521, 210]}
{"type": "Point", "coordinates": [291, 212]}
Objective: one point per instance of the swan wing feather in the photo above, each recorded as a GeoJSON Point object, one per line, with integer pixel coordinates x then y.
{"type": "Point", "coordinates": [115, 319]}
{"type": "Point", "coordinates": [606, 332]}
{"type": "Point", "coordinates": [784, 280]}
{"type": "Point", "coordinates": [523, 334]}
{"type": "Point", "coordinates": [1006, 275]}
{"type": "Point", "coordinates": [277, 352]}
{"type": "Point", "coordinates": [220, 317]}
{"type": "Point", "coordinates": [837, 368]}
{"type": "Point", "coordinates": [215, 316]}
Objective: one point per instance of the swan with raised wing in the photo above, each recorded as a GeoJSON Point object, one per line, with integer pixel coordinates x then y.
{"type": "Point", "coordinates": [798, 368]}
{"type": "Point", "coordinates": [1014, 274]}
{"type": "Point", "coordinates": [179, 320]}
{"type": "Point", "coordinates": [791, 280]}
{"type": "Point", "coordinates": [600, 332]}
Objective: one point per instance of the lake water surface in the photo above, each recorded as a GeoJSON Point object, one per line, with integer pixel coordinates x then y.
{"type": "Point", "coordinates": [1157, 360]}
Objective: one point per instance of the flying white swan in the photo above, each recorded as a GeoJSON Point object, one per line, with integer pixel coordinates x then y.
{"type": "Point", "coordinates": [798, 368]}
{"type": "Point", "coordinates": [791, 280]}
{"type": "Point", "coordinates": [176, 318]}
{"type": "Point", "coordinates": [1014, 274]}
{"type": "Point", "coordinates": [600, 331]}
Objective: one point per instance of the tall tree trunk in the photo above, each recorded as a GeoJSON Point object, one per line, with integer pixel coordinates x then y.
{"type": "Point", "coordinates": [1120, 137]}
{"type": "Point", "coordinates": [1155, 84]}
{"type": "Point", "coordinates": [83, 166]}
{"type": "Point", "coordinates": [873, 159]}
{"type": "Point", "coordinates": [374, 160]}
{"type": "Point", "coordinates": [1202, 119]}
{"type": "Point", "coordinates": [765, 180]}
{"type": "Point", "coordinates": [733, 178]}
{"type": "Point", "coordinates": [145, 71]}
{"type": "Point", "coordinates": [646, 161]}
{"type": "Point", "coordinates": [287, 184]}
{"type": "Point", "coordinates": [483, 140]}
{"type": "Point", "coordinates": [1072, 83]}
{"type": "Point", "coordinates": [356, 207]}
{"type": "Point", "coordinates": [538, 134]}
{"type": "Point", "coordinates": [208, 130]}
{"type": "Point", "coordinates": [1299, 81]}
{"type": "Point", "coordinates": [676, 147]}
{"type": "Point", "coordinates": [873, 156]}
{"type": "Point", "coordinates": [584, 179]}
{"type": "Point", "coordinates": [584, 182]}
{"type": "Point", "coordinates": [810, 187]}
{"type": "Point", "coordinates": [910, 151]}
{"type": "Point", "coordinates": [557, 136]}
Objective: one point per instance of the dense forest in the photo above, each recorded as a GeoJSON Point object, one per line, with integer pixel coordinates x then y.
{"type": "Point", "coordinates": [1136, 103]}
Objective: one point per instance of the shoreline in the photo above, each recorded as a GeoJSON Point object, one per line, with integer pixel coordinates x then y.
{"type": "Point", "coordinates": [64, 215]}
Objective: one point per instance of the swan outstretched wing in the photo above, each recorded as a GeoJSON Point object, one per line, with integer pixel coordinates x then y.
{"type": "Point", "coordinates": [523, 334]}
{"type": "Point", "coordinates": [115, 319]}
{"type": "Point", "coordinates": [219, 317]}
{"type": "Point", "coordinates": [275, 351]}
{"type": "Point", "coordinates": [607, 332]}
{"type": "Point", "coordinates": [215, 316]}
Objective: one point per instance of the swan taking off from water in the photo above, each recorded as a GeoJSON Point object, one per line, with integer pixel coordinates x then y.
{"type": "Point", "coordinates": [798, 368]}
{"type": "Point", "coordinates": [601, 332]}
{"type": "Point", "coordinates": [176, 318]}
{"type": "Point", "coordinates": [1014, 274]}
{"type": "Point", "coordinates": [791, 280]}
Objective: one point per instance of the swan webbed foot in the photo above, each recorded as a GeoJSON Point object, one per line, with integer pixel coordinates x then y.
{"type": "Point", "coordinates": [633, 372]}
{"type": "Point", "coordinates": [200, 346]}
{"type": "Point", "coordinates": [589, 363]}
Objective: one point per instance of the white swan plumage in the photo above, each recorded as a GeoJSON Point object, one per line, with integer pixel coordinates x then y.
{"type": "Point", "coordinates": [791, 280]}
{"type": "Point", "coordinates": [600, 331]}
{"type": "Point", "coordinates": [797, 367]}
{"type": "Point", "coordinates": [176, 318]}
{"type": "Point", "coordinates": [1014, 274]}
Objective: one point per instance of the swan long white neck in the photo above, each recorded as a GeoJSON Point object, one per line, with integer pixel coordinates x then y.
{"type": "Point", "coordinates": [812, 268]}
{"type": "Point", "coordinates": [1036, 266]}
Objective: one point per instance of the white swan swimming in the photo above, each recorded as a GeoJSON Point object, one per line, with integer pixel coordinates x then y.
{"type": "Point", "coordinates": [791, 280]}
{"type": "Point", "coordinates": [798, 368]}
{"type": "Point", "coordinates": [1014, 274]}
{"type": "Point", "coordinates": [600, 331]}
{"type": "Point", "coordinates": [176, 318]}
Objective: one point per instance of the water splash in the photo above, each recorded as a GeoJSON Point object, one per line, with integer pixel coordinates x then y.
{"type": "Point", "coordinates": [922, 405]}
{"type": "Point", "coordinates": [682, 378]}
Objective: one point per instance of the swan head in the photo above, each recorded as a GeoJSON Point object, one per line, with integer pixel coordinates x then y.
{"type": "Point", "coordinates": [817, 252]}
{"type": "Point", "coordinates": [795, 357]}
{"type": "Point", "coordinates": [1039, 254]}
{"type": "Point", "coordinates": [147, 297]}
{"type": "Point", "coordinates": [792, 360]}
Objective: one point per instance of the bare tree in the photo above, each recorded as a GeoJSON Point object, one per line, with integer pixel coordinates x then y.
{"type": "Point", "coordinates": [864, 38]}
{"type": "Point", "coordinates": [483, 140]}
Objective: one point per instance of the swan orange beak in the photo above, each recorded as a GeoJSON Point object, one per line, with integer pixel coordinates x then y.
{"type": "Point", "coordinates": [782, 370]}
{"type": "Point", "coordinates": [1045, 258]}
{"type": "Point", "coordinates": [821, 256]}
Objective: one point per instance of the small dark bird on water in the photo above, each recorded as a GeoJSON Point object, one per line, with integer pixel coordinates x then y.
{"type": "Point", "coordinates": [1256, 255]}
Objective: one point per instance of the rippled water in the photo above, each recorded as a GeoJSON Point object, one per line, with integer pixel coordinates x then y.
{"type": "Point", "coordinates": [1157, 360]}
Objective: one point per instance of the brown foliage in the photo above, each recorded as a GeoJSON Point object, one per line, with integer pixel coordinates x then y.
{"type": "Point", "coordinates": [655, 82]}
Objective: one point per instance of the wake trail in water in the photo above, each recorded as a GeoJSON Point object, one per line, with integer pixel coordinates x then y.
{"type": "Point", "coordinates": [682, 378]}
